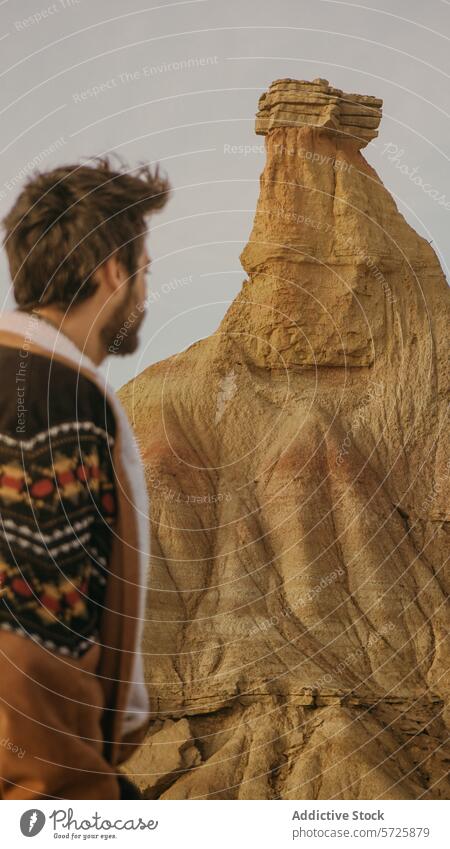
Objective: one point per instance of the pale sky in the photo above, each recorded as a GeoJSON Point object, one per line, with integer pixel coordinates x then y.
{"type": "Point", "coordinates": [178, 83]}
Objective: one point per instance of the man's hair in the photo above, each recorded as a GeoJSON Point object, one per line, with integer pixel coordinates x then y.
{"type": "Point", "coordinates": [68, 221]}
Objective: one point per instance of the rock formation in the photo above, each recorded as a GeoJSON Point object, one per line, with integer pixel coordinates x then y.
{"type": "Point", "coordinates": [295, 460]}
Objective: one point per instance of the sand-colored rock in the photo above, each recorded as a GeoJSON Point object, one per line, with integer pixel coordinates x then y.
{"type": "Point", "coordinates": [299, 492]}
{"type": "Point", "coordinates": [167, 753]}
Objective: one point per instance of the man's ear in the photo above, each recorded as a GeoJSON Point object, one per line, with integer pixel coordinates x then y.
{"type": "Point", "coordinates": [111, 274]}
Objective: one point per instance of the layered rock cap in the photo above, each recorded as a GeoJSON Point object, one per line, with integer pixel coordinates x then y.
{"type": "Point", "coordinates": [296, 103]}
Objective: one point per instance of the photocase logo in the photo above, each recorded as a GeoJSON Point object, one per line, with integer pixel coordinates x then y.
{"type": "Point", "coordinates": [65, 824]}
{"type": "Point", "coordinates": [32, 822]}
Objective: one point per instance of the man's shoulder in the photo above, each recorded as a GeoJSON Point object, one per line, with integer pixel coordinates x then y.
{"type": "Point", "coordinates": [42, 391]}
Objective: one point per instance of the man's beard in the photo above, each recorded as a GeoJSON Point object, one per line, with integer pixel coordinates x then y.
{"type": "Point", "coordinates": [120, 334]}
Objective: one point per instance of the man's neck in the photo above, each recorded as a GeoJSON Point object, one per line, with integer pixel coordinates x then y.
{"type": "Point", "coordinates": [78, 331]}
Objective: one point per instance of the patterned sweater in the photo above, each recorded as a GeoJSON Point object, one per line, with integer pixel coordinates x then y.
{"type": "Point", "coordinates": [57, 501]}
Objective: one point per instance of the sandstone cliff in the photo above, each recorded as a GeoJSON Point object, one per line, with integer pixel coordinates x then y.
{"type": "Point", "coordinates": [295, 460]}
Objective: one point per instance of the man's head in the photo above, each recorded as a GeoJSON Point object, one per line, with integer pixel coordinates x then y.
{"type": "Point", "coordinates": [75, 240]}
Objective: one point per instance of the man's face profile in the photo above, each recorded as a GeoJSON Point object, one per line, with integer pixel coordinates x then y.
{"type": "Point", "coordinates": [121, 331]}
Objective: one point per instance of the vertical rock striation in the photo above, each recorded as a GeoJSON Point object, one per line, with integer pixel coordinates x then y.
{"type": "Point", "coordinates": [295, 460]}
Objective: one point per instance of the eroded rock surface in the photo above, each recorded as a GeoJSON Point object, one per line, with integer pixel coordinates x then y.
{"type": "Point", "coordinates": [299, 489]}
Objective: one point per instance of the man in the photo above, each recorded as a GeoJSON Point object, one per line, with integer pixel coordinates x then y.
{"type": "Point", "coordinates": [73, 503]}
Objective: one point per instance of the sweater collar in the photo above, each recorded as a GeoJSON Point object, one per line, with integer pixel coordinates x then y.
{"type": "Point", "coordinates": [35, 329]}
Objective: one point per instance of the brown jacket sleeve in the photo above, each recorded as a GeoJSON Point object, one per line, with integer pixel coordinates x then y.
{"type": "Point", "coordinates": [50, 735]}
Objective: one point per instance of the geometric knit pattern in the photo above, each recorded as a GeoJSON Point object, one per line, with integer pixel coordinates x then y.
{"type": "Point", "coordinates": [57, 511]}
